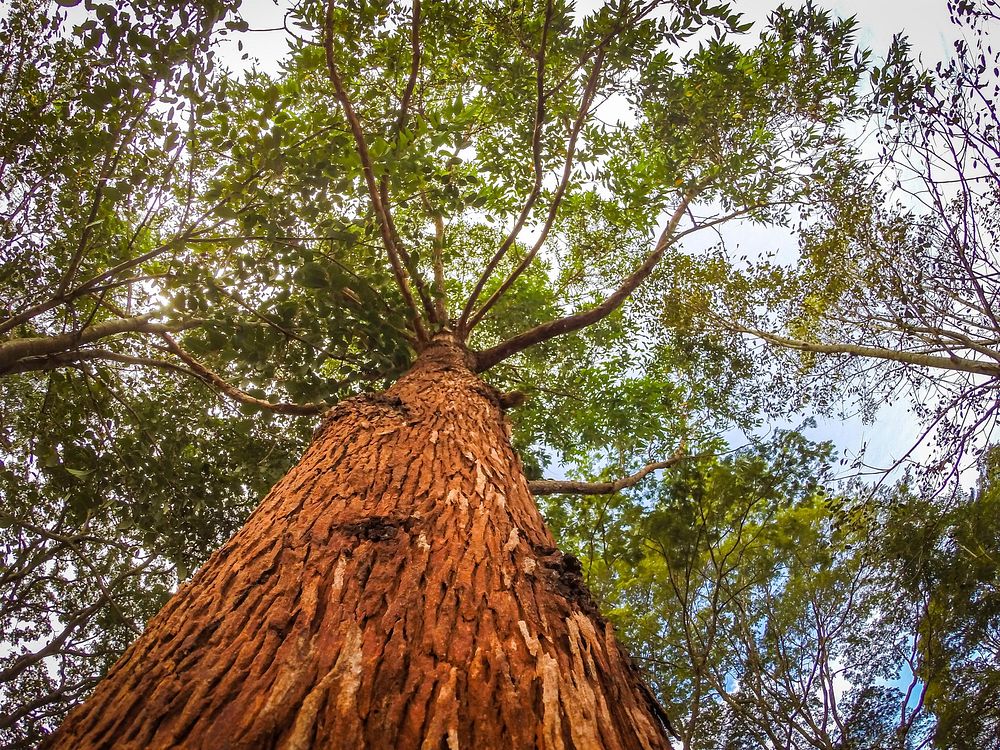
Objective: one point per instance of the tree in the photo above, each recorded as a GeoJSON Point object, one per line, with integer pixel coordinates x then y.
{"type": "Point", "coordinates": [760, 603]}
{"type": "Point", "coordinates": [397, 588]}
{"type": "Point", "coordinates": [282, 250]}
{"type": "Point", "coordinates": [945, 560]}
{"type": "Point", "coordinates": [898, 288]}
{"type": "Point", "coordinates": [94, 530]}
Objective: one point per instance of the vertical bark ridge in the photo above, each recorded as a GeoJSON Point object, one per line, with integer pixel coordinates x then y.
{"type": "Point", "coordinates": [398, 588]}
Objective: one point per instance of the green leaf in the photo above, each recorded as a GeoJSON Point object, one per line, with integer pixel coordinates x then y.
{"type": "Point", "coordinates": [313, 275]}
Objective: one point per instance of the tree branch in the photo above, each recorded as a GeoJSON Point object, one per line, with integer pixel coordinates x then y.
{"type": "Point", "coordinates": [11, 352]}
{"type": "Point", "coordinates": [440, 289]}
{"type": "Point", "coordinates": [588, 98]}
{"type": "Point", "coordinates": [570, 487]}
{"type": "Point", "coordinates": [26, 315]}
{"type": "Point", "coordinates": [536, 163]}
{"type": "Point", "coordinates": [66, 359]}
{"type": "Point", "coordinates": [95, 281]}
{"type": "Point", "coordinates": [28, 659]}
{"type": "Point", "coordinates": [415, 55]}
{"type": "Point", "coordinates": [411, 84]}
{"type": "Point", "coordinates": [382, 216]}
{"type": "Point", "coordinates": [109, 165]}
{"type": "Point", "coordinates": [210, 377]}
{"type": "Point", "coordinates": [545, 331]}
{"type": "Point", "coordinates": [951, 362]}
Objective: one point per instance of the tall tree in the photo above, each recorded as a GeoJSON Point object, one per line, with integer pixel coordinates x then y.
{"type": "Point", "coordinates": [430, 189]}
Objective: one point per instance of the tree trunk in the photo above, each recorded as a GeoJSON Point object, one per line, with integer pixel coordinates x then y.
{"type": "Point", "coordinates": [397, 589]}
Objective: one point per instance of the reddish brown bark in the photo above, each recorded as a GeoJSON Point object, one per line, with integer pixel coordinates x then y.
{"type": "Point", "coordinates": [397, 589]}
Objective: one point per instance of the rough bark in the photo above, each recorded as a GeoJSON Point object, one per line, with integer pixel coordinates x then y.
{"type": "Point", "coordinates": [397, 589]}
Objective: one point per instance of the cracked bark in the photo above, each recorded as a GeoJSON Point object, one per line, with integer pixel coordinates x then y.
{"type": "Point", "coordinates": [397, 589]}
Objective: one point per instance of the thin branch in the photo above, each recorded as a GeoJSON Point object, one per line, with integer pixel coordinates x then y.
{"type": "Point", "coordinates": [536, 163]}
{"type": "Point", "coordinates": [557, 197]}
{"type": "Point", "coordinates": [566, 486]}
{"type": "Point", "coordinates": [89, 285]}
{"type": "Point", "coordinates": [411, 267]}
{"type": "Point", "coordinates": [55, 645]}
{"type": "Point", "coordinates": [617, 29]}
{"type": "Point", "coordinates": [951, 362]}
{"type": "Point", "coordinates": [545, 331]}
{"type": "Point", "coordinates": [235, 393]}
{"type": "Point", "coordinates": [238, 299]}
{"type": "Point", "coordinates": [89, 564]}
{"type": "Point", "coordinates": [110, 164]}
{"type": "Point", "coordinates": [130, 263]}
{"type": "Point", "coordinates": [382, 216]}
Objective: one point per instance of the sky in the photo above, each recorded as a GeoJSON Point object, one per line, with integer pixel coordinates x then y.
{"type": "Point", "coordinates": [925, 22]}
{"type": "Point", "coordinates": [927, 25]}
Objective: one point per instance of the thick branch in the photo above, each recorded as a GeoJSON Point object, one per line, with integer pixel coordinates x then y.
{"type": "Point", "coordinates": [934, 335]}
{"type": "Point", "coordinates": [536, 164]}
{"type": "Point", "coordinates": [950, 362]}
{"type": "Point", "coordinates": [489, 357]}
{"type": "Point", "coordinates": [15, 350]}
{"type": "Point", "coordinates": [570, 487]}
{"type": "Point", "coordinates": [235, 393]}
{"type": "Point", "coordinates": [67, 359]}
{"type": "Point", "coordinates": [382, 216]}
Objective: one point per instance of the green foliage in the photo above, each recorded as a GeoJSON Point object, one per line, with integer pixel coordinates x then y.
{"type": "Point", "coordinates": [947, 558]}
{"type": "Point", "coordinates": [891, 288]}
{"type": "Point", "coordinates": [761, 616]}
{"type": "Point", "coordinates": [105, 509]}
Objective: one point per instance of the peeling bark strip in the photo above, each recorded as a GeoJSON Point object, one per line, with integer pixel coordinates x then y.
{"type": "Point", "coordinates": [397, 589]}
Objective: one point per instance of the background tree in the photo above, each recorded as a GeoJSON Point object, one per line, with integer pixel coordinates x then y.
{"type": "Point", "coordinates": [895, 290]}
{"type": "Point", "coordinates": [944, 560]}
{"type": "Point", "coordinates": [760, 605]}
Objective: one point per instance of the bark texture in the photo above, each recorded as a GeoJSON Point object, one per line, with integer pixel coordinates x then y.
{"type": "Point", "coordinates": [397, 589]}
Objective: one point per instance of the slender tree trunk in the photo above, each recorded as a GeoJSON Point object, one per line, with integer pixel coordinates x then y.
{"type": "Point", "coordinates": [397, 589]}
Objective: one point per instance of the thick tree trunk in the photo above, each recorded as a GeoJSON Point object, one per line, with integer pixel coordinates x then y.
{"type": "Point", "coordinates": [397, 589]}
